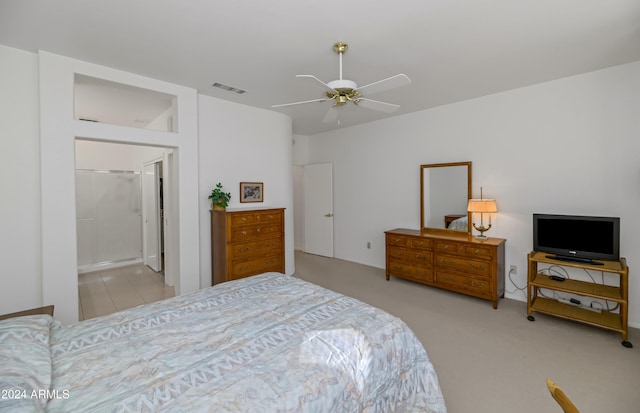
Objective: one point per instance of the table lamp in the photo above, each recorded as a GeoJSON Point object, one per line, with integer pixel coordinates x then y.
{"type": "Point", "coordinates": [482, 206]}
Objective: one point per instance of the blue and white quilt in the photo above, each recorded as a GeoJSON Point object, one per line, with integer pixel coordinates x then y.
{"type": "Point", "coordinates": [268, 343]}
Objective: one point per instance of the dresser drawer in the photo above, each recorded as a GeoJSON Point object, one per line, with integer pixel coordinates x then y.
{"type": "Point", "coordinates": [449, 247]}
{"type": "Point", "coordinates": [251, 249]}
{"type": "Point", "coordinates": [238, 220]}
{"type": "Point", "coordinates": [419, 243]}
{"type": "Point", "coordinates": [402, 269]}
{"type": "Point", "coordinates": [464, 249]}
{"type": "Point", "coordinates": [463, 264]}
{"type": "Point", "coordinates": [477, 286]}
{"type": "Point", "coordinates": [417, 256]}
{"type": "Point", "coordinates": [255, 218]}
{"type": "Point", "coordinates": [268, 217]}
{"type": "Point", "coordinates": [248, 233]}
{"type": "Point", "coordinates": [481, 252]}
{"type": "Point", "coordinates": [409, 242]}
{"type": "Point", "coordinates": [399, 240]}
{"type": "Point", "coordinates": [256, 266]}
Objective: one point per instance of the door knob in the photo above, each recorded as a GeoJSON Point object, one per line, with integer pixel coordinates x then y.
{"type": "Point", "coordinates": [329, 215]}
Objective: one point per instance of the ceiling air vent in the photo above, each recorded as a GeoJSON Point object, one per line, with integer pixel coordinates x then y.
{"type": "Point", "coordinates": [229, 88]}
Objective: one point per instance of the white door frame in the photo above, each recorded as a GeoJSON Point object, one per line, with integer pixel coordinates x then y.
{"type": "Point", "coordinates": [170, 218]}
{"type": "Point", "coordinates": [151, 244]}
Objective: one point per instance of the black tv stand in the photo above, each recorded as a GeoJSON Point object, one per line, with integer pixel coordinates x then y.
{"type": "Point", "coordinates": [574, 259]}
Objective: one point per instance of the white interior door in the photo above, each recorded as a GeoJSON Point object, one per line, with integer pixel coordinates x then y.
{"type": "Point", "coordinates": [318, 206]}
{"type": "Point", "coordinates": [151, 216]}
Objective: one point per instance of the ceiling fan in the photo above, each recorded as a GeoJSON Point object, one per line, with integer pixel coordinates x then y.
{"type": "Point", "coordinates": [342, 91]}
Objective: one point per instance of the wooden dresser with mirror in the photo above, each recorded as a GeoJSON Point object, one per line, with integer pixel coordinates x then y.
{"type": "Point", "coordinates": [443, 253]}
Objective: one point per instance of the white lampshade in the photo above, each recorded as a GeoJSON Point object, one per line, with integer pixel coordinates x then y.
{"type": "Point", "coordinates": [482, 205]}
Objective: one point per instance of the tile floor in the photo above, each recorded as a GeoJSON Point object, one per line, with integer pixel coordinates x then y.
{"type": "Point", "coordinates": [108, 291]}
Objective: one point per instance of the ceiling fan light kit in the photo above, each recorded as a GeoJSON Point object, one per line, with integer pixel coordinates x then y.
{"type": "Point", "coordinates": [342, 91]}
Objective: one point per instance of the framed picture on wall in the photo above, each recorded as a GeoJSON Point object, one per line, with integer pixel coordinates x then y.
{"type": "Point", "coordinates": [251, 192]}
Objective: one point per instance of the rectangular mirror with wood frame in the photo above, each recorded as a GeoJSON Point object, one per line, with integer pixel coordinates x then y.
{"type": "Point", "coordinates": [445, 189]}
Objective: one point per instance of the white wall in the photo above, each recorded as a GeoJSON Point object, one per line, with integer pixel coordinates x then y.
{"type": "Point", "coordinates": [300, 156]}
{"type": "Point", "coordinates": [298, 206]}
{"type": "Point", "coordinates": [237, 144]}
{"type": "Point", "coordinates": [567, 146]}
{"type": "Point", "coordinates": [20, 266]}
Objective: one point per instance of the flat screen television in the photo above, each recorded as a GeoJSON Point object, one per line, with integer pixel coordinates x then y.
{"type": "Point", "coordinates": [577, 238]}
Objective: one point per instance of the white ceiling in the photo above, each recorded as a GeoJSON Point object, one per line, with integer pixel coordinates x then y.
{"type": "Point", "coordinates": [451, 49]}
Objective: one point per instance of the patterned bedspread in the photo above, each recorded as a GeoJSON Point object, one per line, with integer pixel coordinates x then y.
{"type": "Point", "coordinates": [268, 343]}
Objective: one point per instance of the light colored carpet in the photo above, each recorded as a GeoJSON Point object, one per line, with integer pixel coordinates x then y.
{"type": "Point", "coordinates": [496, 361]}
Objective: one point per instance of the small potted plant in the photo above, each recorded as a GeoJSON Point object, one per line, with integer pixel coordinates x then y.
{"type": "Point", "coordinates": [219, 199]}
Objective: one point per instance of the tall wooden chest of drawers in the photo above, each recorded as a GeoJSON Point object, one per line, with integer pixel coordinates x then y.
{"type": "Point", "coordinates": [246, 242]}
{"type": "Point", "coordinates": [460, 263]}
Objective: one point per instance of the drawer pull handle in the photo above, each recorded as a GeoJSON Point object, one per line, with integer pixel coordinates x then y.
{"type": "Point", "coordinates": [474, 284]}
{"type": "Point", "coordinates": [258, 229]}
{"type": "Point", "coordinates": [421, 272]}
{"type": "Point", "coordinates": [398, 239]}
{"type": "Point", "coordinates": [244, 249]}
{"type": "Point", "coordinates": [244, 219]}
{"type": "Point", "coordinates": [477, 251]}
{"type": "Point", "coordinates": [271, 229]}
{"type": "Point", "coordinates": [244, 268]}
{"type": "Point", "coordinates": [446, 247]}
{"type": "Point", "coordinates": [420, 244]}
{"type": "Point", "coordinates": [447, 278]}
{"type": "Point", "coordinates": [481, 267]}
{"type": "Point", "coordinates": [244, 232]}
{"type": "Point", "coordinates": [270, 217]}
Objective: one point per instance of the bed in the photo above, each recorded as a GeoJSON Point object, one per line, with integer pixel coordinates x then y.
{"type": "Point", "coordinates": [268, 343]}
{"type": "Point", "coordinates": [459, 224]}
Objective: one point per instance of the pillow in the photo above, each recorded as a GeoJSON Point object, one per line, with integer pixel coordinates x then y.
{"type": "Point", "coordinates": [25, 363]}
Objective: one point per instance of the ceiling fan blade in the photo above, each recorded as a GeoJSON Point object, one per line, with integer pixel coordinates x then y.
{"type": "Point", "coordinates": [376, 105]}
{"type": "Point", "coordinates": [299, 103]}
{"type": "Point", "coordinates": [332, 114]}
{"type": "Point", "coordinates": [317, 82]}
{"type": "Point", "coordinates": [385, 84]}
